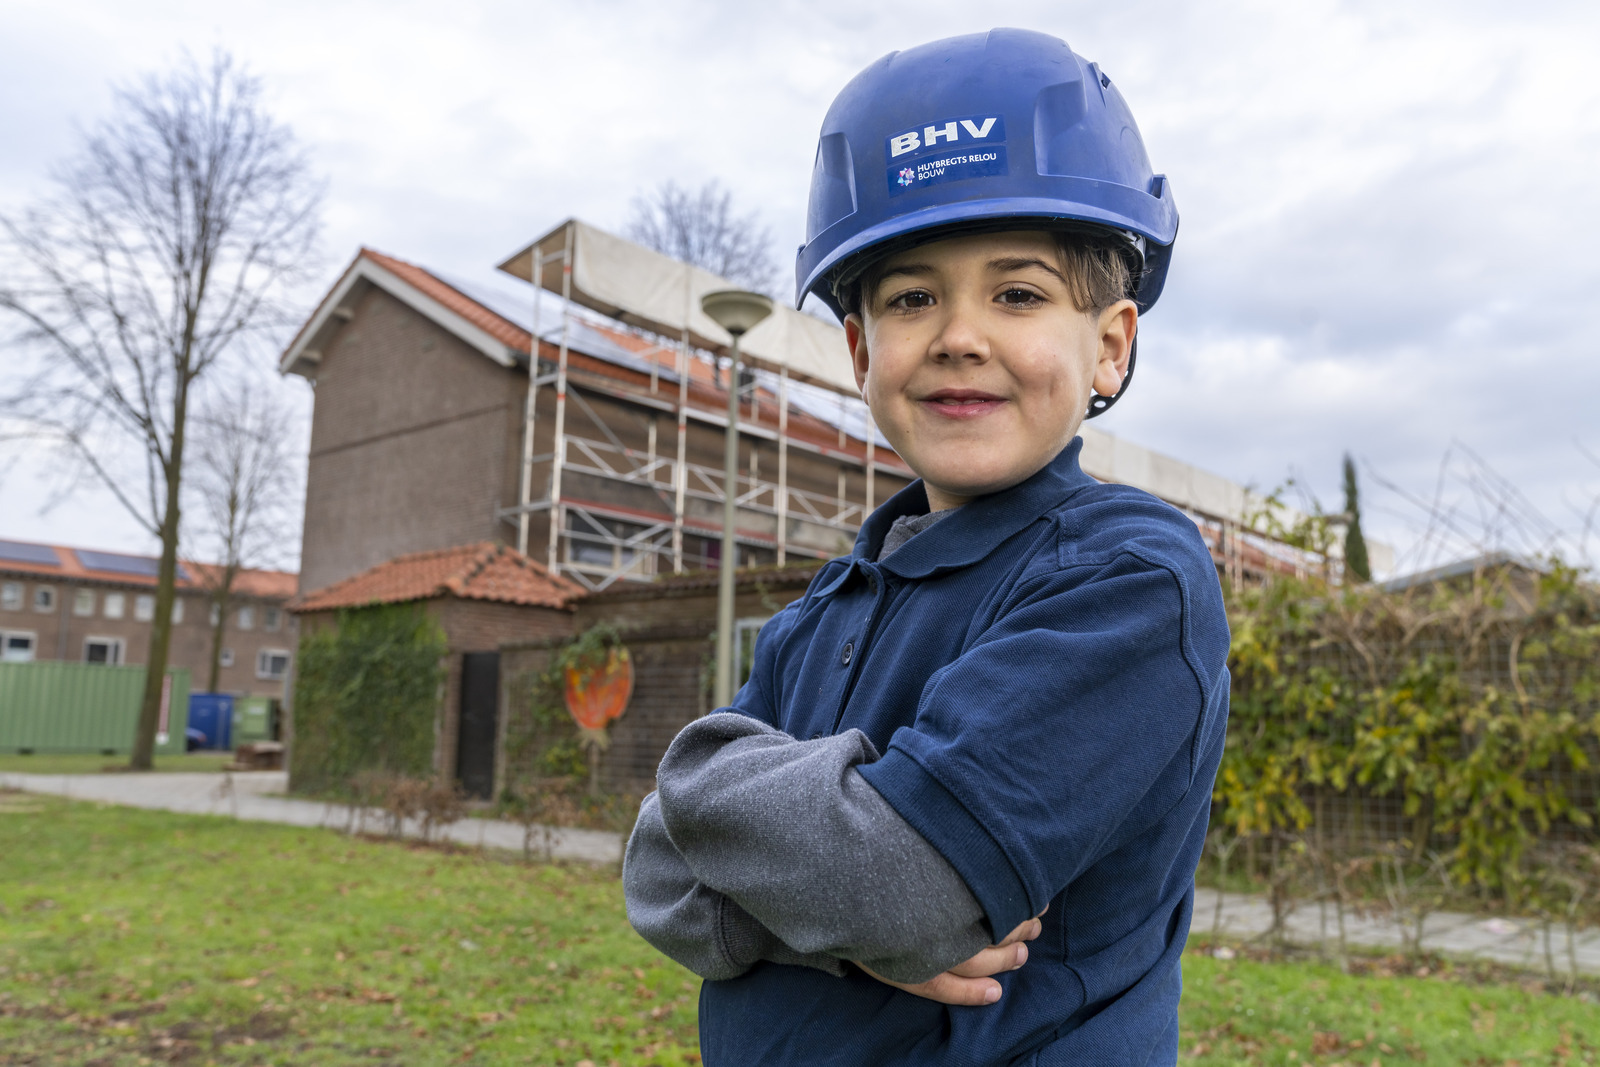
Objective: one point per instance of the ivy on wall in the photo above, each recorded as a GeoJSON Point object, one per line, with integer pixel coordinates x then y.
{"type": "Point", "coordinates": [366, 697]}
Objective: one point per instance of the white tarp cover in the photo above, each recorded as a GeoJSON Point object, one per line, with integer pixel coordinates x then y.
{"type": "Point", "coordinates": [645, 288]}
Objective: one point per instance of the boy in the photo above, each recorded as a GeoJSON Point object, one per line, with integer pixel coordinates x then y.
{"type": "Point", "coordinates": [954, 815]}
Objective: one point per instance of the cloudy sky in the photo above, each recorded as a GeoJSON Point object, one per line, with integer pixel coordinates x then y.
{"type": "Point", "coordinates": [1388, 209]}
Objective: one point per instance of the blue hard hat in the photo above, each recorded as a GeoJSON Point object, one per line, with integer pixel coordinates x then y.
{"type": "Point", "coordinates": [971, 133]}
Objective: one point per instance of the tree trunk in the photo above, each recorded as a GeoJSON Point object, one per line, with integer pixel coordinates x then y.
{"type": "Point", "coordinates": [155, 671]}
{"type": "Point", "coordinates": [155, 675]}
{"type": "Point", "coordinates": [220, 602]}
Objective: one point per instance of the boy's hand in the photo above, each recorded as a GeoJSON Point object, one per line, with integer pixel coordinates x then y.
{"type": "Point", "coordinates": [969, 984]}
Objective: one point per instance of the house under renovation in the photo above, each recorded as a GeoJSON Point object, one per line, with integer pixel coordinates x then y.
{"type": "Point", "coordinates": [574, 410]}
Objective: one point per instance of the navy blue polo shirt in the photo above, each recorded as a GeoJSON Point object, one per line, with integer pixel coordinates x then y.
{"type": "Point", "coordinates": [1045, 674]}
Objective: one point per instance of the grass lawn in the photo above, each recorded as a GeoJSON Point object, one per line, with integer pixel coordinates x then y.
{"type": "Point", "coordinates": [95, 763]}
{"type": "Point", "coordinates": [132, 936]}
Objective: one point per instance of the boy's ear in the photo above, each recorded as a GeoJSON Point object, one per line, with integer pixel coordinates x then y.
{"type": "Point", "coordinates": [1119, 323]}
{"type": "Point", "coordinates": [855, 335]}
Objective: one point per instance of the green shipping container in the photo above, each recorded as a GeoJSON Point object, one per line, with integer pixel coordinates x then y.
{"type": "Point", "coordinates": [252, 720]}
{"type": "Point", "coordinates": [51, 706]}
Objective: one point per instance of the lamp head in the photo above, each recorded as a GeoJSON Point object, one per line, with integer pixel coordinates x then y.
{"type": "Point", "coordinates": [736, 310]}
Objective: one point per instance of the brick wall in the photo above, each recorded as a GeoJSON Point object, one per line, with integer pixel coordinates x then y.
{"type": "Point", "coordinates": [481, 626]}
{"type": "Point", "coordinates": [412, 443]}
{"type": "Point", "coordinates": [670, 631]}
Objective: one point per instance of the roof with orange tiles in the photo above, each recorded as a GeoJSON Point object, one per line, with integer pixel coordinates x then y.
{"type": "Point", "coordinates": [705, 391]}
{"type": "Point", "coordinates": [505, 332]}
{"type": "Point", "coordinates": [482, 571]}
{"type": "Point", "coordinates": [87, 565]}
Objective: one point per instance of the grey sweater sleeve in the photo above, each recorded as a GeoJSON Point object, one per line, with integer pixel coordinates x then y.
{"type": "Point", "coordinates": [699, 927]}
{"type": "Point", "coordinates": [791, 832]}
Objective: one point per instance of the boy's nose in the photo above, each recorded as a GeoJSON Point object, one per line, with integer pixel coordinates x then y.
{"type": "Point", "coordinates": [960, 338]}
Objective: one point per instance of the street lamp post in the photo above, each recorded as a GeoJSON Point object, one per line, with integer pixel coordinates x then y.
{"type": "Point", "coordinates": [736, 311]}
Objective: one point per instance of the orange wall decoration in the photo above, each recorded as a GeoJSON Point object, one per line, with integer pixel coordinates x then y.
{"type": "Point", "coordinates": [597, 695]}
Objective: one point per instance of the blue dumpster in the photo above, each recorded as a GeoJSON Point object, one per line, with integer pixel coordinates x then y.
{"type": "Point", "coordinates": [212, 715]}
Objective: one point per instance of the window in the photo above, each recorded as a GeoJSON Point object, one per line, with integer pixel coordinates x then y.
{"type": "Point", "coordinates": [144, 607]}
{"type": "Point", "coordinates": [83, 602]}
{"type": "Point", "coordinates": [216, 614]}
{"type": "Point", "coordinates": [44, 598]}
{"type": "Point", "coordinates": [603, 546]}
{"type": "Point", "coordinates": [744, 646]}
{"type": "Point", "coordinates": [11, 596]}
{"type": "Point", "coordinates": [247, 618]}
{"type": "Point", "coordinates": [271, 619]}
{"type": "Point", "coordinates": [116, 604]}
{"type": "Point", "coordinates": [17, 647]}
{"type": "Point", "coordinates": [177, 610]}
{"type": "Point", "coordinates": [272, 664]}
{"type": "Point", "coordinates": [107, 650]}
{"type": "Point", "coordinates": [226, 659]}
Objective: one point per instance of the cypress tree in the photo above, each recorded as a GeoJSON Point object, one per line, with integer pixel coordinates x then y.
{"type": "Point", "coordinates": [1356, 566]}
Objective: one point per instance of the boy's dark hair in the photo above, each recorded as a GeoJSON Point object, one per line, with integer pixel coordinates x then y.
{"type": "Point", "coordinates": [1098, 268]}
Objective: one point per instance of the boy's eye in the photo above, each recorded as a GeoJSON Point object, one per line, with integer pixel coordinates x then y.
{"type": "Point", "coordinates": [1018, 297]}
{"type": "Point", "coordinates": [912, 299]}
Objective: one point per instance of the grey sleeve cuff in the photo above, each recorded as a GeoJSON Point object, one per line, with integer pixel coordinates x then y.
{"type": "Point", "coordinates": [688, 922]}
{"type": "Point", "coordinates": [796, 838]}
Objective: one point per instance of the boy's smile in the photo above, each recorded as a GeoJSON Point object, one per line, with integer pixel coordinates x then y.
{"type": "Point", "coordinates": [977, 362]}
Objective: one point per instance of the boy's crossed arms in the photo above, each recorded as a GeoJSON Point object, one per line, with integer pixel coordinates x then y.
{"type": "Point", "coordinates": [761, 847]}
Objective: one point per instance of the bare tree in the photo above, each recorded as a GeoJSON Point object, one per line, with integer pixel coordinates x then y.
{"type": "Point", "coordinates": [700, 227]}
{"type": "Point", "coordinates": [242, 489]}
{"type": "Point", "coordinates": [166, 244]}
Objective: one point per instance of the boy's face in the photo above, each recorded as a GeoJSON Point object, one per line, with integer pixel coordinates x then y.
{"type": "Point", "coordinates": [976, 362]}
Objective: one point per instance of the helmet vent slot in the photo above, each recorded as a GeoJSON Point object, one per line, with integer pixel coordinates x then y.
{"type": "Point", "coordinates": [1057, 111]}
{"type": "Point", "coordinates": [833, 184]}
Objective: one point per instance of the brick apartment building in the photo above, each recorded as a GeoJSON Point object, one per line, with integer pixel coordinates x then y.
{"type": "Point", "coordinates": [64, 603]}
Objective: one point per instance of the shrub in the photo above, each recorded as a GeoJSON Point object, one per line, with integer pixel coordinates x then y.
{"type": "Point", "coordinates": [366, 697]}
{"type": "Point", "coordinates": [1470, 708]}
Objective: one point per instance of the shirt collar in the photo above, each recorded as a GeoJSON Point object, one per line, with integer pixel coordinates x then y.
{"type": "Point", "coordinates": [978, 528]}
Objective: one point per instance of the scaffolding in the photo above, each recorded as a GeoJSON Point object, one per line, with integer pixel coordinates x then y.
{"type": "Point", "coordinates": [599, 543]}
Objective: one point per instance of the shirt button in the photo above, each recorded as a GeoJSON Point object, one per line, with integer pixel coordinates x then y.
{"type": "Point", "coordinates": [849, 650]}
{"type": "Point", "coordinates": [817, 736]}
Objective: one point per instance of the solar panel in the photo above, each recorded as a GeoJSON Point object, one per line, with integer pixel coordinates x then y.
{"type": "Point", "coordinates": [117, 563]}
{"type": "Point", "coordinates": [19, 552]}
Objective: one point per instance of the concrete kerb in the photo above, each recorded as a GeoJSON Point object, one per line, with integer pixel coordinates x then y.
{"type": "Point", "coordinates": [257, 796]}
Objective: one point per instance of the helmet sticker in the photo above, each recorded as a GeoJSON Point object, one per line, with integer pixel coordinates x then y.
{"type": "Point", "coordinates": [979, 163]}
{"type": "Point", "coordinates": [946, 150]}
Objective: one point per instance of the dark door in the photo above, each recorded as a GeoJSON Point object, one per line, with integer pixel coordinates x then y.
{"type": "Point", "coordinates": [480, 705]}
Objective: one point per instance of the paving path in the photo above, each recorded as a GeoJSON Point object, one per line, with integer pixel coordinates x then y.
{"type": "Point", "coordinates": [257, 796]}
{"type": "Point", "coordinates": [1520, 942]}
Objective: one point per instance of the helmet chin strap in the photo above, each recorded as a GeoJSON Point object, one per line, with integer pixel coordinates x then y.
{"type": "Point", "coordinates": [1099, 405]}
